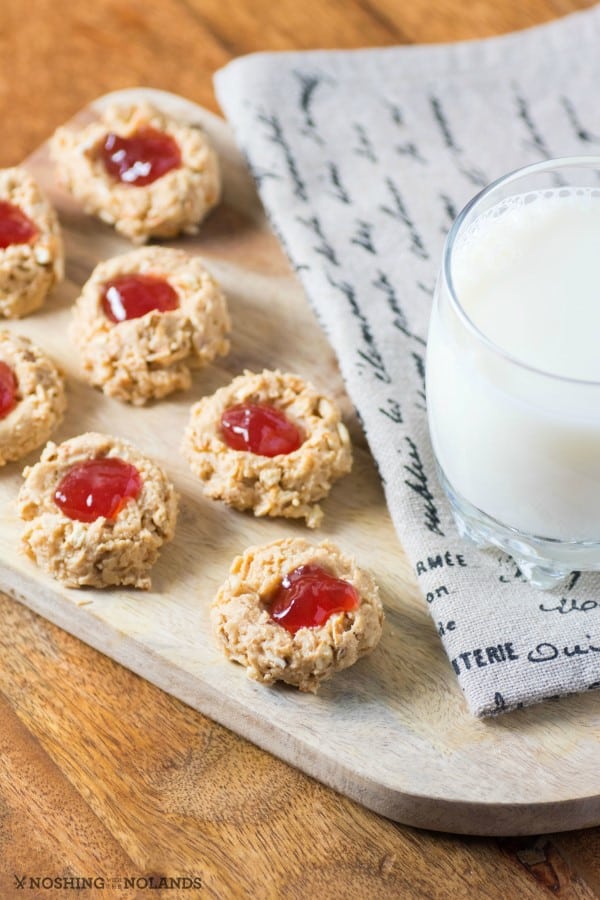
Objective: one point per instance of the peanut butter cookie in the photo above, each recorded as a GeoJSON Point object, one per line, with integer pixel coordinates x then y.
{"type": "Point", "coordinates": [290, 611]}
{"type": "Point", "coordinates": [32, 397]}
{"type": "Point", "coordinates": [31, 249]}
{"type": "Point", "coordinates": [144, 319]}
{"type": "Point", "coordinates": [99, 512]}
{"type": "Point", "coordinates": [139, 170]}
{"type": "Point", "coordinates": [269, 442]}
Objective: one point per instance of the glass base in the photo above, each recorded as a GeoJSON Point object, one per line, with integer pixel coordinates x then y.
{"type": "Point", "coordinates": [545, 562]}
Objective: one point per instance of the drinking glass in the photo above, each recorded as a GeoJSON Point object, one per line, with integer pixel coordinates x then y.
{"type": "Point", "coordinates": [518, 445]}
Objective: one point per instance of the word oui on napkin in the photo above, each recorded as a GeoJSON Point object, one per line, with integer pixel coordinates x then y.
{"type": "Point", "coordinates": [363, 159]}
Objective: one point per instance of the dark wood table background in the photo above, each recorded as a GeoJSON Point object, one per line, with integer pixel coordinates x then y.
{"type": "Point", "coordinates": [102, 774]}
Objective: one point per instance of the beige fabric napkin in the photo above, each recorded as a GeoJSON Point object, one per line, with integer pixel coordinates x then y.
{"type": "Point", "coordinates": [362, 159]}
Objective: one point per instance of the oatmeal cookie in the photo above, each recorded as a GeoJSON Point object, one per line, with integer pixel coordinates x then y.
{"type": "Point", "coordinates": [270, 652]}
{"type": "Point", "coordinates": [148, 357]}
{"type": "Point", "coordinates": [117, 548]}
{"type": "Point", "coordinates": [118, 170]}
{"type": "Point", "coordinates": [32, 397]}
{"type": "Point", "coordinates": [30, 267]}
{"type": "Point", "coordinates": [288, 484]}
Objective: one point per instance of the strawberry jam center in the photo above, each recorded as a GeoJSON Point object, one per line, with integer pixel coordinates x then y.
{"type": "Point", "coordinates": [259, 428]}
{"type": "Point", "coordinates": [308, 596]}
{"type": "Point", "coordinates": [97, 487]}
{"type": "Point", "coordinates": [132, 296]}
{"type": "Point", "coordinates": [142, 158]}
{"type": "Point", "coordinates": [15, 226]}
{"type": "Point", "coordinates": [8, 390]}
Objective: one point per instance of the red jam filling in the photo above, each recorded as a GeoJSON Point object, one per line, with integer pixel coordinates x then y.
{"type": "Point", "coordinates": [8, 390]}
{"type": "Point", "coordinates": [97, 487]}
{"type": "Point", "coordinates": [259, 428]}
{"type": "Point", "coordinates": [15, 226]}
{"type": "Point", "coordinates": [142, 158]}
{"type": "Point", "coordinates": [308, 596]}
{"type": "Point", "coordinates": [132, 296]}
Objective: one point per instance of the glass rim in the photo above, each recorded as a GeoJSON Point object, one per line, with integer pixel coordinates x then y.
{"type": "Point", "coordinates": [546, 165]}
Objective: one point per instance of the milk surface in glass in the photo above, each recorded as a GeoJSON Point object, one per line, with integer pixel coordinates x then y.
{"type": "Point", "coordinates": [513, 368]}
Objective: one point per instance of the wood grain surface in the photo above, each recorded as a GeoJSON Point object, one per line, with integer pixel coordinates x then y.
{"type": "Point", "coordinates": [101, 773]}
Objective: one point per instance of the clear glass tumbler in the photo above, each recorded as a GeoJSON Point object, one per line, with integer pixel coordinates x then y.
{"type": "Point", "coordinates": [513, 368]}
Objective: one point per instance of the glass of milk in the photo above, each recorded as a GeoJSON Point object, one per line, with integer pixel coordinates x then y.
{"type": "Point", "coordinates": [513, 368]}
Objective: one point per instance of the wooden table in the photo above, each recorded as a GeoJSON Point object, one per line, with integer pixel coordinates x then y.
{"type": "Point", "coordinates": [101, 774]}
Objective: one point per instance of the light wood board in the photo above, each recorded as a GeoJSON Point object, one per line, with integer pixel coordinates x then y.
{"type": "Point", "coordinates": [393, 732]}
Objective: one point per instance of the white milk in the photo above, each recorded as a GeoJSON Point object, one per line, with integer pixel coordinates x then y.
{"type": "Point", "coordinates": [515, 430]}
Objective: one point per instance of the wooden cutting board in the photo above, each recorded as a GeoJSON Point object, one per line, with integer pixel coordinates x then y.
{"type": "Point", "coordinates": [393, 732]}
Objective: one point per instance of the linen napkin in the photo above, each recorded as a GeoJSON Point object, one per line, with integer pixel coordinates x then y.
{"type": "Point", "coordinates": [363, 159]}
